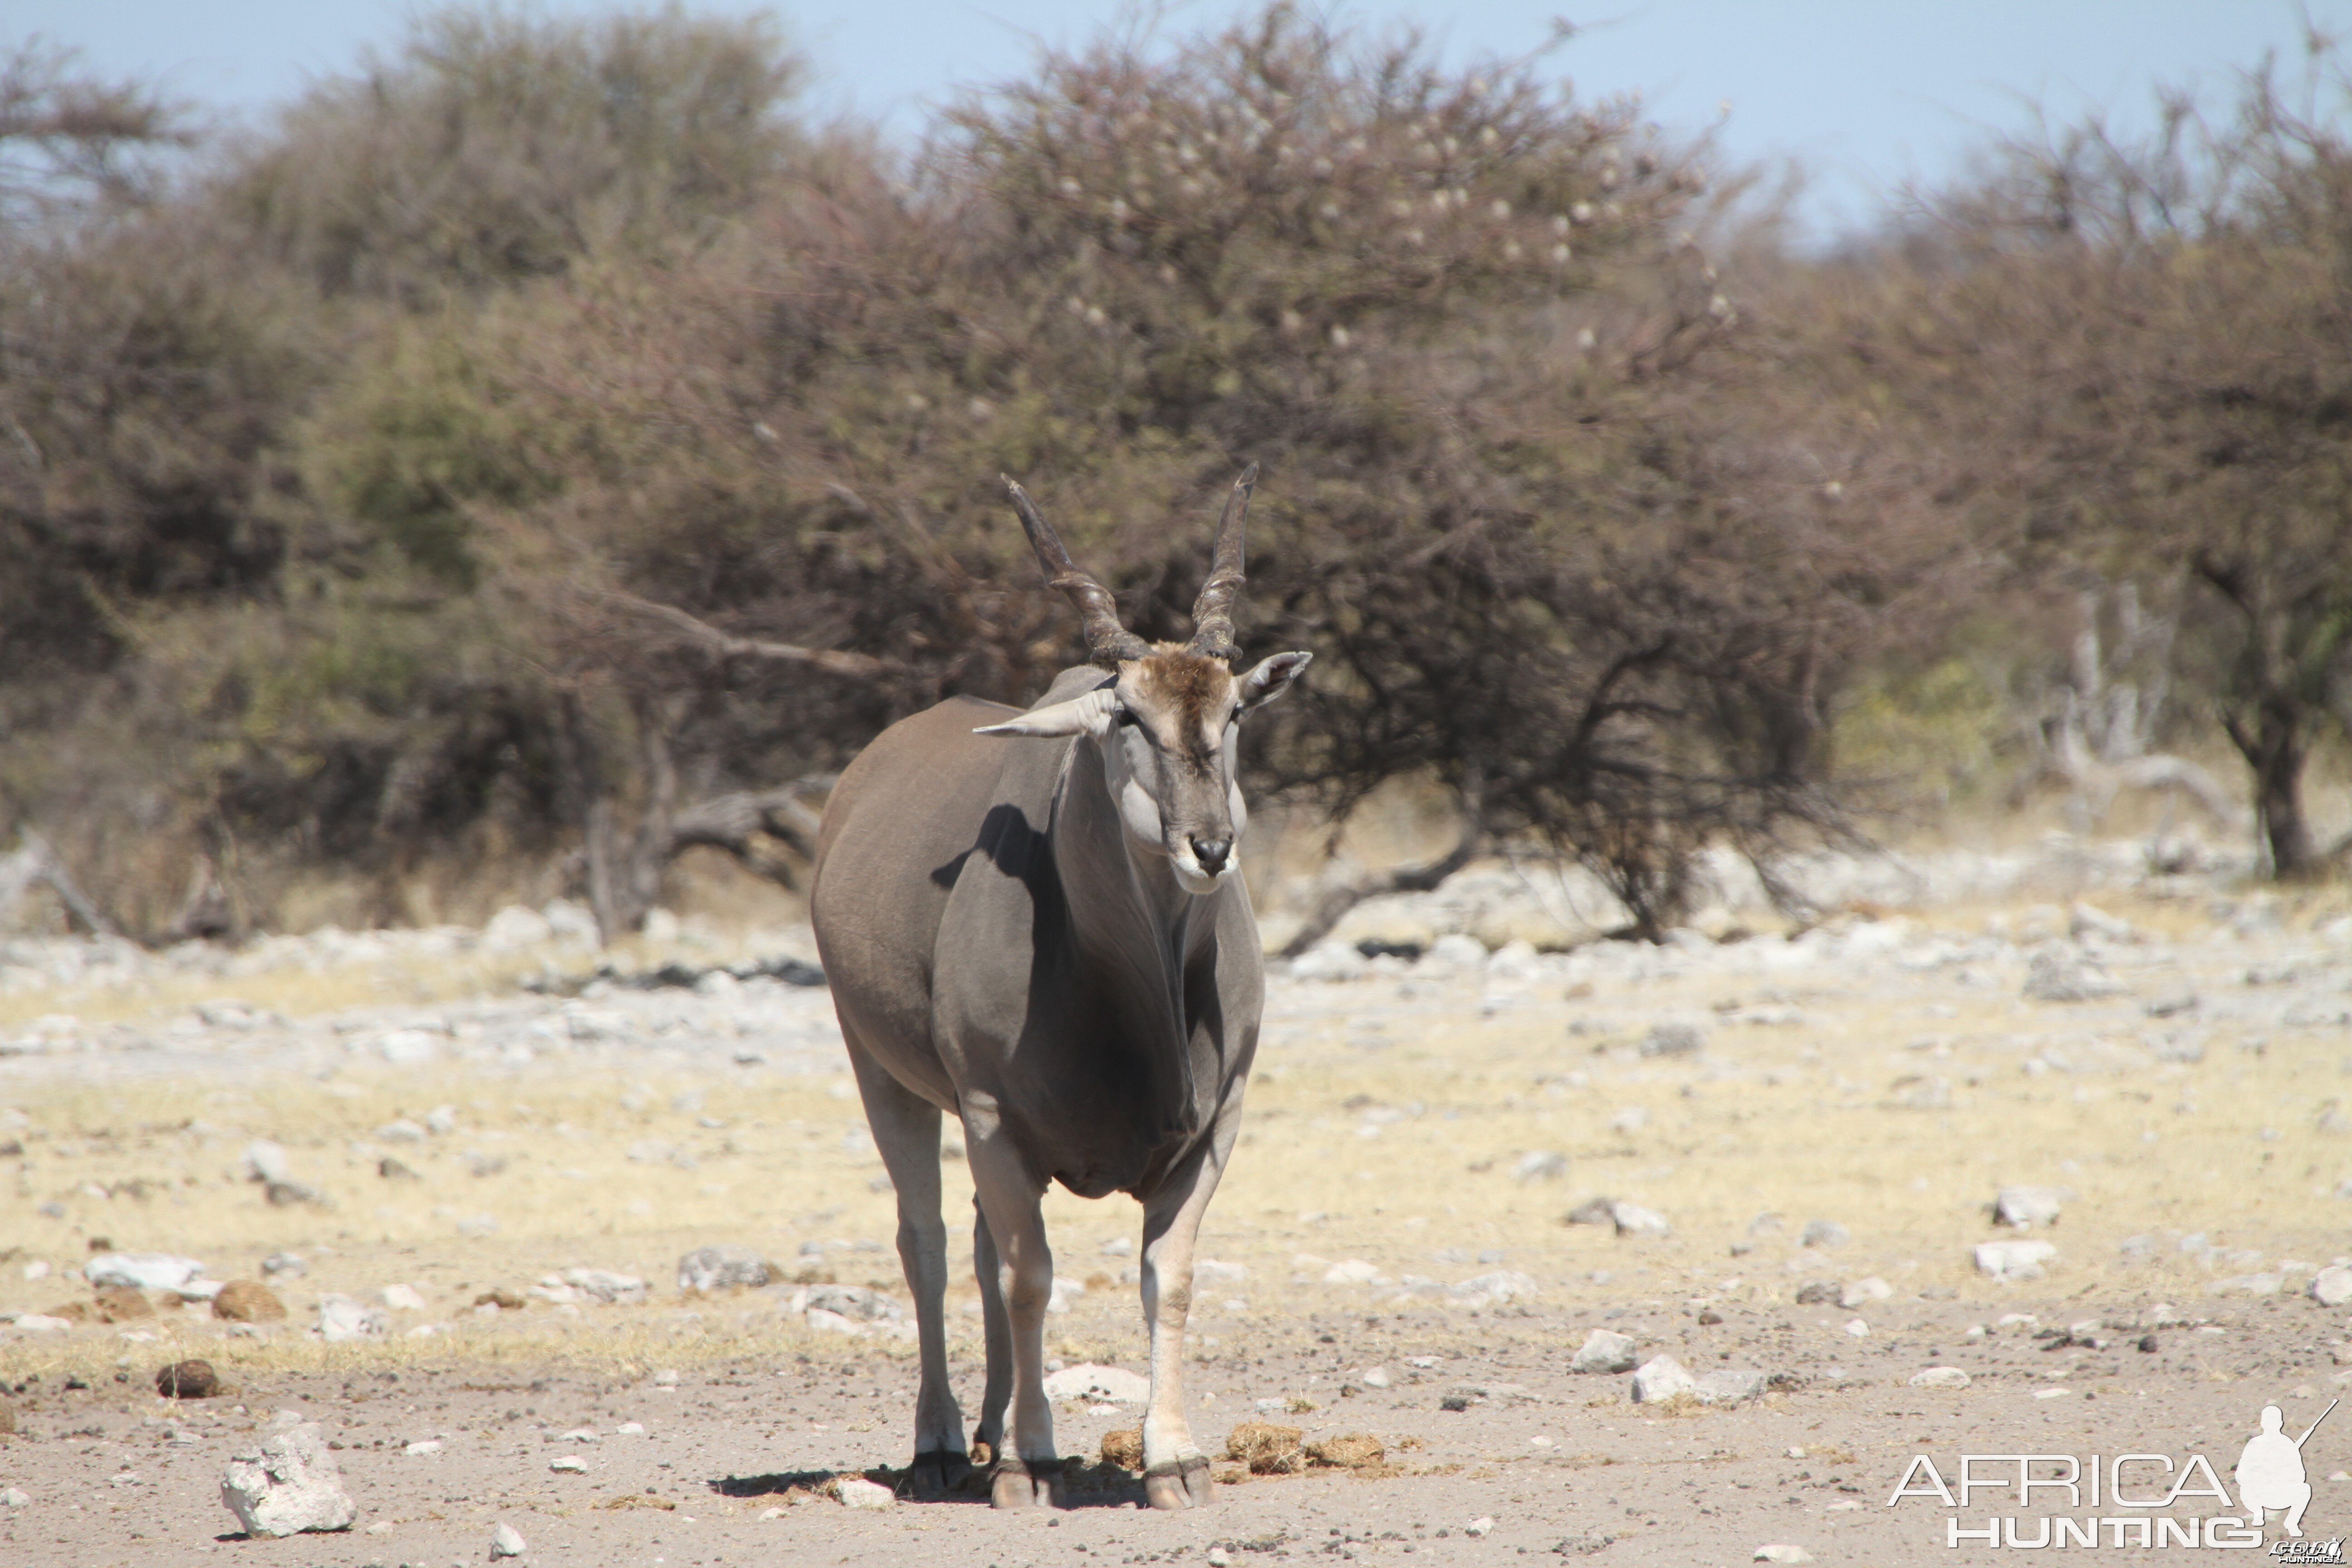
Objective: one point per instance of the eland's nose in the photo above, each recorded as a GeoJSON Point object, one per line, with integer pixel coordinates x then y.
{"type": "Point", "coordinates": [1211, 853]}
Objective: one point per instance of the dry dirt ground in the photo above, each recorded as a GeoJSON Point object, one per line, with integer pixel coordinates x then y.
{"type": "Point", "coordinates": [1885, 1075]}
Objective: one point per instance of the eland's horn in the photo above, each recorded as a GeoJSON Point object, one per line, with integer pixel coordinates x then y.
{"type": "Point", "coordinates": [1212, 612]}
{"type": "Point", "coordinates": [1108, 642]}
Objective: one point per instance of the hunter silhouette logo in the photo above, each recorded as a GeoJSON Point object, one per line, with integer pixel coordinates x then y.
{"type": "Point", "coordinates": [2269, 1472]}
{"type": "Point", "coordinates": [2130, 1497]}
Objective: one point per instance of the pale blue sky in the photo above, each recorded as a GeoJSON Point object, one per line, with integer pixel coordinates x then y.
{"type": "Point", "coordinates": [1864, 92]}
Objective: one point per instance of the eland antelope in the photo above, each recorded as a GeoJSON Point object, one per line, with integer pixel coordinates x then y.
{"type": "Point", "coordinates": [1036, 922]}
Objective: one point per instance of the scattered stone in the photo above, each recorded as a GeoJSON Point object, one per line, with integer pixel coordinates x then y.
{"type": "Point", "coordinates": [2025, 1207]}
{"type": "Point", "coordinates": [187, 1380]}
{"type": "Point", "coordinates": [1819, 1293]}
{"type": "Point", "coordinates": [343, 1318]}
{"type": "Point", "coordinates": [1333, 961]}
{"type": "Point", "coordinates": [1540, 1165]}
{"type": "Point", "coordinates": [708, 1268]}
{"type": "Point", "coordinates": [1594, 1211]}
{"type": "Point", "coordinates": [401, 1298]}
{"type": "Point", "coordinates": [1266, 1448]}
{"type": "Point", "coordinates": [246, 1301]}
{"type": "Point", "coordinates": [401, 1130]}
{"type": "Point", "coordinates": [289, 1485]}
{"type": "Point", "coordinates": [856, 1491]}
{"type": "Point", "coordinates": [1633, 1219]}
{"type": "Point", "coordinates": [2060, 973]}
{"type": "Point", "coordinates": [2171, 1004]}
{"type": "Point", "coordinates": [408, 1048]}
{"type": "Point", "coordinates": [1730, 1386]}
{"type": "Point", "coordinates": [605, 1286]}
{"type": "Point", "coordinates": [13, 1497]}
{"type": "Point", "coordinates": [1939, 1377]}
{"type": "Point", "coordinates": [1347, 1451]}
{"type": "Point", "coordinates": [1782, 1554]}
{"type": "Point", "coordinates": [289, 1264]}
{"type": "Point", "coordinates": [1494, 1289]}
{"type": "Point", "coordinates": [855, 1302]}
{"type": "Point", "coordinates": [422, 1447]}
{"type": "Point", "coordinates": [506, 1540]}
{"type": "Point", "coordinates": [1662, 1378]}
{"type": "Point", "coordinates": [141, 1271]}
{"type": "Point", "coordinates": [120, 1304]}
{"type": "Point", "coordinates": [568, 1465]}
{"type": "Point", "coordinates": [43, 1323]}
{"type": "Point", "coordinates": [1862, 1292]}
{"type": "Point", "coordinates": [1480, 1526]}
{"type": "Point", "coordinates": [2332, 1286]}
{"type": "Point", "coordinates": [1088, 1381]}
{"type": "Point", "coordinates": [2014, 1259]}
{"type": "Point", "coordinates": [265, 1161]}
{"type": "Point", "coordinates": [1629, 1121]}
{"type": "Point", "coordinates": [1824, 1232]}
{"type": "Point", "coordinates": [2089, 921]}
{"type": "Point", "coordinates": [1673, 1040]}
{"type": "Point", "coordinates": [1124, 1449]}
{"type": "Point", "coordinates": [1352, 1271]}
{"type": "Point", "coordinates": [1376, 1377]}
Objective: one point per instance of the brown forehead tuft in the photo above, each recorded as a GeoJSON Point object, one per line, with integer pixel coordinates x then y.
{"type": "Point", "coordinates": [1187, 682]}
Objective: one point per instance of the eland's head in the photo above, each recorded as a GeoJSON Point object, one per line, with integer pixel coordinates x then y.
{"type": "Point", "coordinates": [1167, 722]}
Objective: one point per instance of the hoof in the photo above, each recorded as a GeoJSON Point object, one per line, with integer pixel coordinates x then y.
{"type": "Point", "coordinates": [1180, 1484]}
{"type": "Point", "coordinates": [1026, 1483]}
{"type": "Point", "coordinates": [936, 1475]}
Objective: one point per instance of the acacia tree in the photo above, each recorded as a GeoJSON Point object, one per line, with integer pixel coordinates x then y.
{"type": "Point", "coordinates": [2142, 344]}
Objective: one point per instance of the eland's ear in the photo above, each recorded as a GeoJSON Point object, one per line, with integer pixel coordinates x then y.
{"type": "Point", "coordinates": [1089, 713]}
{"type": "Point", "coordinates": [1271, 679]}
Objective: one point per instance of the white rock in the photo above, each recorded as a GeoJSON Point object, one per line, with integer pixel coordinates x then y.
{"type": "Point", "coordinates": [1457, 949]}
{"type": "Point", "coordinates": [2332, 1286]}
{"type": "Point", "coordinates": [1208, 1271]}
{"type": "Point", "coordinates": [289, 1485]}
{"type": "Point", "coordinates": [1376, 1377]}
{"type": "Point", "coordinates": [1730, 1386]}
{"type": "Point", "coordinates": [506, 1540]}
{"type": "Point", "coordinates": [1605, 1350]}
{"type": "Point", "coordinates": [141, 1271]}
{"type": "Point", "coordinates": [401, 1298]}
{"type": "Point", "coordinates": [1633, 1118]}
{"type": "Point", "coordinates": [1065, 1292]}
{"type": "Point", "coordinates": [613, 1289]}
{"type": "Point", "coordinates": [1673, 1040]}
{"type": "Point", "coordinates": [1862, 1292]}
{"type": "Point", "coordinates": [38, 1269]}
{"type": "Point", "coordinates": [2014, 1259]}
{"type": "Point", "coordinates": [1661, 1378]}
{"type": "Point", "coordinates": [42, 1323]}
{"type": "Point", "coordinates": [1089, 1381]}
{"type": "Point", "coordinates": [708, 1268]}
{"type": "Point", "coordinates": [826, 1322]}
{"type": "Point", "coordinates": [407, 1047]}
{"type": "Point", "coordinates": [1633, 1219]}
{"type": "Point", "coordinates": [12, 1498]}
{"type": "Point", "coordinates": [1540, 1165]}
{"type": "Point", "coordinates": [441, 1120]}
{"type": "Point", "coordinates": [268, 1162]}
{"type": "Point", "coordinates": [425, 1445]}
{"type": "Point", "coordinates": [570, 1465]}
{"type": "Point", "coordinates": [2025, 1207]}
{"type": "Point", "coordinates": [401, 1131]}
{"type": "Point", "coordinates": [1353, 1271]}
{"type": "Point", "coordinates": [1494, 1290]}
{"type": "Point", "coordinates": [1480, 1526]}
{"type": "Point", "coordinates": [1820, 1233]}
{"type": "Point", "coordinates": [1329, 961]}
{"type": "Point", "coordinates": [343, 1318]}
{"type": "Point", "coordinates": [856, 1491]}
{"type": "Point", "coordinates": [1517, 960]}
{"type": "Point", "coordinates": [1939, 1377]}
{"type": "Point", "coordinates": [1782, 1554]}
{"type": "Point", "coordinates": [516, 927]}
{"type": "Point", "coordinates": [1858, 1329]}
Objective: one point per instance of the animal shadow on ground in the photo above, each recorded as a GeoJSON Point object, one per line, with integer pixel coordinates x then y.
{"type": "Point", "coordinates": [1085, 1484]}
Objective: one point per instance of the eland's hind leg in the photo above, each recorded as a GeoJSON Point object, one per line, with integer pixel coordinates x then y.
{"type": "Point", "coordinates": [997, 1329]}
{"type": "Point", "coordinates": [1030, 1472]}
{"type": "Point", "coordinates": [907, 1131]}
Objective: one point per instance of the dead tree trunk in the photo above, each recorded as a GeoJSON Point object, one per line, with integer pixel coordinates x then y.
{"type": "Point", "coordinates": [1332, 907]}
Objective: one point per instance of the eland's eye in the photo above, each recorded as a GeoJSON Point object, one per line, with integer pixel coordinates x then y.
{"type": "Point", "coordinates": [1124, 718]}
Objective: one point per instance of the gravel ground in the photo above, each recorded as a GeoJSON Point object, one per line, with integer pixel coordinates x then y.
{"type": "Point", "coordinates": [1781, 1153]}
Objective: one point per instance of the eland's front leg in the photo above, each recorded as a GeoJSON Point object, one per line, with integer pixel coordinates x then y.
{"type": "Point", "coordinates": [1175, 1471]}
{"type": "Point", "coordinates": [1030, 1472]}
{"type": "Point", "coordinates": [907, 1131]}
